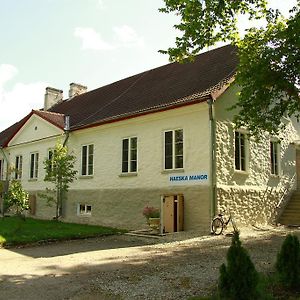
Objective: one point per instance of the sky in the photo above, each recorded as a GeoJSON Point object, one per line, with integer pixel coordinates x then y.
{"type": "Point", "coordinates": [90, 42]}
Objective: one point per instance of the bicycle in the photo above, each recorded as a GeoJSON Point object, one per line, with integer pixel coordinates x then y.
{"type": "Point", "coordinates": [219, 223]}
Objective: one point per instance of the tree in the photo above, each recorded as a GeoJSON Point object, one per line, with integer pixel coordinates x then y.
{"type": "Point", "coordinates": [60, 172]}
{"type": "Point", "coordinates": [288, 262]}
{"type": "Point", "coordinates": [269, 68]}
{"type": "Point", "coordinates": [16, 198]}
{"type": "Point", "coordinates": [239, 279]}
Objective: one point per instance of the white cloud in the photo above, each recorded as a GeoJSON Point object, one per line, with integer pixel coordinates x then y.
{"type": "Point", "coordinates": [124, 36]}
{"type": "Point", "coordinates": [7, 72]}
{"type": "Point", "coordinates": [17, 102]}
{"type": "Point", "coordinates": [91, 39]}
{"type": "Point", "coordinates": [128, 36]}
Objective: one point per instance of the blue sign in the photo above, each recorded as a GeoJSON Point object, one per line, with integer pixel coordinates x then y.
{"type": "Point", "coordinates": [188, 178]}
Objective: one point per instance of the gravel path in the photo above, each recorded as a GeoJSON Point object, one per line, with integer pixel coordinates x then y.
{"type": "Point", "coordinates": [126, 267]}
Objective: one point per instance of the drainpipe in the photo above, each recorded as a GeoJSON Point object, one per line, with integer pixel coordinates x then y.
{"type": "Point", "coordinates": [213, 185]}
{"type": "Point", "coordinates": [5, 187]}
{"type": "Point", "coordinates": [67, 135]}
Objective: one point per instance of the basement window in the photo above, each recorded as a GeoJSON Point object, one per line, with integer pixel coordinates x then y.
{"type": "Point", "coordinates": [84, 210]}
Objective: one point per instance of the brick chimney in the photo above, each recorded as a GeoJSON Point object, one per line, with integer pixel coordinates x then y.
{"type": "Point", "coordinates": [76, 89]}
{"type": "Point", "coordinates": [52, 97]}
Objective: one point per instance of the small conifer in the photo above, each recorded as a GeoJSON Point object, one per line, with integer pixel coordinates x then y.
{"type": "Point", "coordinates": [239, 279]}
{"type": "Point", "coordinates": [288, 262]}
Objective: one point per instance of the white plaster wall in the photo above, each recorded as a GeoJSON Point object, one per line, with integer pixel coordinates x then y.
{"type": "Point", "coordinates": [252, 195]}
{"type": "Point", "coordinates": [149, 130]}
{"type": "Point", "coordinates": [35, 129]}
{"type": "Point", "coordinates": [25, 149]}
{"type": "Point", "coordinates": [118, 200]}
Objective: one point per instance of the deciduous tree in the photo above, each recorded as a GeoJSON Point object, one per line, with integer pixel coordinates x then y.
{"type": "Point", "coordinates": [60, 172]}
{"type": "Point", "coordinates": [269, 68]}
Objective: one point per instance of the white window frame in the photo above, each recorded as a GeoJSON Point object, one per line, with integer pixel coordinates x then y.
{"type": "Point", "coordinates": [34, 173]}
{"type": "Point", "coordinates": [85, 211]}
{"type": "Point", "coordinates": [243, 148]}
{"type": "Point", "coordinates": [18, 167]}
{"type": "Point", "coordinates": [275, 157]}
{"type": "Point", "coordinates": [86, 171]}
{"type": "Point", "coordinates": [129, 159]}
{"type": "Point", "coordinates": [174, 155]}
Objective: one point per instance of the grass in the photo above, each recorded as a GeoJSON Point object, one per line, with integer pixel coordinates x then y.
{"type": "Point", "coordinates": [15, 231]}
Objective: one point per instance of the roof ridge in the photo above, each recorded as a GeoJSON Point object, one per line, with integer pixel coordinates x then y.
{"type": "Point", "coordinates": [47, 112]}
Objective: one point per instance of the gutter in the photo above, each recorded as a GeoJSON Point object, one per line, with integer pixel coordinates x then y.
{"type": "Point", "coordinates": [213, 184]}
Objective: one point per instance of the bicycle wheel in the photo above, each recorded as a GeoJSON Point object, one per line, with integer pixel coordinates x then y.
{"type": "Point", "coordinates": [217, 226]}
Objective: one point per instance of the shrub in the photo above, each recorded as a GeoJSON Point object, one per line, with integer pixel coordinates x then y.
{"type": "Point", "coordinates": [16, 198]}
{"type": "Point", "coordinates": [288, 262]}
{"type": "Point", "coordinates": [239, 279]}
{"type": "Point", "coordinates": [151, 212]}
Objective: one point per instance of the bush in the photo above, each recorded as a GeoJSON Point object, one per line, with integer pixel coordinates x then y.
{"type": "Point", "coordinates": [288, 262]}
{"type": "Point", "coordinates": [239, 279]}
{"type": "Point", "coordinates": [16, 198]}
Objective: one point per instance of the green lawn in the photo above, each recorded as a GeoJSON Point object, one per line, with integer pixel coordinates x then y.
{"type": "Point", "coordinates": [15, 231]}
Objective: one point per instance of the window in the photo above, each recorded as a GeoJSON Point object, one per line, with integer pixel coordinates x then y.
{"type": "Point", "coordinates": [129, 155]}
{"type": "Point", "coordinates": [174, 149]}
{"type": "Point", "coordinates": [240, 151]}
{"type": "Point", "coordinates": [274, 157]}
{"type": "Point", "coordinates": [1, 169]}
{"type": "Point", "coordinates": [84, 209]}
{"type": "Point", "coordinates": [50, 157]}
{"type": "Point", "coordinates": [18, 167]}
{"type": "Point", "coordinates": [34, 165]}
{"type": "Point", "coordinates": [87, 160]}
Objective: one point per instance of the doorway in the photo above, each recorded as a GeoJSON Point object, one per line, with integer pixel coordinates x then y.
{"type": "Point", "coordinates": [173, 211]}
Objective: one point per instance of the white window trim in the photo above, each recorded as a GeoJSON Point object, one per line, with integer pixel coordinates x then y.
{"type": "Point", "coordinates": [247, 152]}
{"type": "Point", "coordinates": [129, 156]}
{"type": "Point", "coordinates": [35, 168]}
{"type": "Point", "coordinates": [173, 150]}
{"type": "Point", "coordinates": [86, 213]}
{"type": "Point", "coordinates": [87, 175]}
{"type": "Point", "coordinates": [278, 150]}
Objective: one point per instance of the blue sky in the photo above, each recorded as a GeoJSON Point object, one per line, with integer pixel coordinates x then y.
{"type": "Point", "coordinates": [91, 42]}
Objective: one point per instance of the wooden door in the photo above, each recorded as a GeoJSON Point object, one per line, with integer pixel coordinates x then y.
{"type": "Point", "coordinates": [168, 214]}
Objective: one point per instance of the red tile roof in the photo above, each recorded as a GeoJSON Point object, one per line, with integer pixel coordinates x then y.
{"type": "Point", "coordinates": [158, 89]}
{"type": "Point", "coordinates": [53, 118]}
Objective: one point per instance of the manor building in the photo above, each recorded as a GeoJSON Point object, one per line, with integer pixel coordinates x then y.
{"type": "Point", "coordinates": [162, 138]}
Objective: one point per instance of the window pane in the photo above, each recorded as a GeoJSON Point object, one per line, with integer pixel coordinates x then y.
{"type": "Point", "coordinates": [168, 162]}
{"type": "Point", "coordinates": [133, 154]}
{"type": "Point", "coordinates": [125, 155]}
{"type": "Point", "coordinates": [169, 150]}
{"type": "Point", "coordinates": [36, 165]}
{"type": "Point", "coordinates": [168, 137]}
{"type": "Point", "coordinates": [179, 135]}
{"type": "Point", "coordinates": [88, 209]}
{"type": "Point", "coordinates": [133, 166]}
{"type": "Point", "coordinates": [84, 160]}
{"type": "Point", "coordinates": [31, 165]}
{"type": "Point", "coordinates": [179, 162]}
{"type": "Point", "coordinates": [91, 160]}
